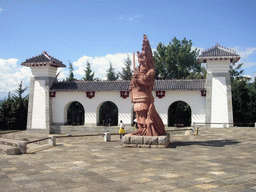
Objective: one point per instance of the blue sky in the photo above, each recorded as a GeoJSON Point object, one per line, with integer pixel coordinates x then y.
{"type": "Point", "coordinates": [104, 31]}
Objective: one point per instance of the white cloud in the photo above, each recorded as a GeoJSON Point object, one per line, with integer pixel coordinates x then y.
{"type": "Point", "coordinates": [100, 65]}
{"type": "Point", "coordinates": [253, 78]}
{"type": "Point", "coordinates": [247, 58]}
{"type": "Point", "coordinates": [63, 73]}
{"type": "Point", "coordinates": [198, 48]}
{"type": "Point", "coordinates": [247, 64]}
{"type": "Point", "coordinates": [129, 18]}
{"type": "Point", "coordinates": [245, 52]}
{"type": "Point", "coordinates": [247, 76]}
{"type": "Point", "coordinates": [11, 74]}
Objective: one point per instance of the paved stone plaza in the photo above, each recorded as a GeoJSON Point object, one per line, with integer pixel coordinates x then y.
{"type": "Point", "coordinates": [215, 160]}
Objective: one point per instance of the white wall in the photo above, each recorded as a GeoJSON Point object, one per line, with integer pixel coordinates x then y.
{"type": "Point", "coordinates": [219, 98]}
{"type": "Point", "coordinates": [38, 108]}
{"type": "Point", "coordinates": [192, 98]}
{"type": "Point", "coordinates": [47, 70]}
{"type": "Point", "coordinates": [219, 66]}
{"type": "Point", "coordinates": [219, 109]}
{"type": "Point", "coordinates": [61, 102]}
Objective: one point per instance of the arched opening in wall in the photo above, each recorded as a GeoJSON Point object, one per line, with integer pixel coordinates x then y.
{"type": "Point", "coordinates": [179, 114]}
{"type": "Point", "coordinates": [133, 118]}
{"type": "Point", "coordinates": [108, 114]}
{"type": "Point", "coordinates": [75, 114]}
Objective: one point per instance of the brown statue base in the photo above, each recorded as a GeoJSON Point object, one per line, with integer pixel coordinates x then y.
{"type": "Point", "coordinates": [146, 141]}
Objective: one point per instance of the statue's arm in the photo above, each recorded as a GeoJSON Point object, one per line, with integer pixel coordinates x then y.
{"type": "Point", "coordinates": [147, 79]}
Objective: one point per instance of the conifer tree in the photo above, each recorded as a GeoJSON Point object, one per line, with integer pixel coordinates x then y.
{"type": "Point", "coordinates": [243, 97]}
{"type": "Point", "coordinates": [89, 75]}
{"type": "Point", "coordinates": [13, 111]}
{"type": "Point", "coordinates": [71, 74]}
{"type": "Point", "coordinates": [126, 71]}
{"type": "Point", "coordinates": [111, 75]}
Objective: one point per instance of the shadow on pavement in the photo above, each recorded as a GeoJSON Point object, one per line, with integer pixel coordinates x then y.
{"type": "Point", "coordinates": [211, 143]}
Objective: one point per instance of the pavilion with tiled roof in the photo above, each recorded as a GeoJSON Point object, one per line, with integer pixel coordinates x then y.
{"type": "Point", "coordinates": [218, 85]}
{"type": "Point", "coordinates": [43, 60]}
{"type": "Point", "coordinates": [218, 52]}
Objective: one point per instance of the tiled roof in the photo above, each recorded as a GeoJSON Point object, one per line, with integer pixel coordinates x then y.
{"type": "Point", "coordinates": [83, 86]}
{"type": "Point", "coordinates": [218, 52]}
{"type": "Point", "coordinates": [188, 84]}
{"type": "Point", "coordinates": [44, 58]}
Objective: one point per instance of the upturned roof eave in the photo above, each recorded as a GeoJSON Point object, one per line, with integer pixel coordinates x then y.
{"type": "Point", "coordinates": [43, 59]}
{"type": "Point", "coordinates": [201, 59]}
{"type": "Point", "coordinates": [29, 64]}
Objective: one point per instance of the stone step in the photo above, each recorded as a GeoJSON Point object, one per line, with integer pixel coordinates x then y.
{"type": "Point", "coordinates": [9, 150]}
{"type": "Point", "coordinates": [10, 142]}
{"type": "Point", "coordinates": [14, 143]}
{"type": "Point", "coordinates": [80, 130]}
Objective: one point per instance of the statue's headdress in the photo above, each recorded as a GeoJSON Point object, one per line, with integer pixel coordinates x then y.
{"type": "Point", "coordinates": [145, 57]}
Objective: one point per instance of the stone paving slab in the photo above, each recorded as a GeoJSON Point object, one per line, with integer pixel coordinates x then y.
{"type": "Point", "coordinates": [215, 160]}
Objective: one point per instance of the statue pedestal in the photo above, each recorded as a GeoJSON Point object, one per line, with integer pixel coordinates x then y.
{"type": "Point", "coordinates": [146, 141]}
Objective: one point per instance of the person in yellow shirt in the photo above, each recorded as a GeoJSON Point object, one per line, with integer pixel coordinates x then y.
{"type": "Point", "coordinates": [121, 130]}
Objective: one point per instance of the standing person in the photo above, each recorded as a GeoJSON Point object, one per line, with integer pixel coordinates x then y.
{"type": "Point", "coordinates": [121, 130]}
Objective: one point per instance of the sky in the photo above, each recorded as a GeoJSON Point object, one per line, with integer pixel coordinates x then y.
{"type": "Point", "coordinates": [104, 31]}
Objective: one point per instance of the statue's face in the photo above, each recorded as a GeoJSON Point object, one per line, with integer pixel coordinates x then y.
{"type": "Point", "coordinates": [142, 61]}
{"type": "Point", "coordinates": [143, 64]}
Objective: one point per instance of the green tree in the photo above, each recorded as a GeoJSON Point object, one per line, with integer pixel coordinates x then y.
{"type": "Point", "coordinates": [19, 91]}
{"type": "Point", "coordinates": [235, 71]}
{"type": "Point", "coordinates": [89, 75]}
{"type": "Point", "coordinates": [176, 60]}
{"type": "Point", "coordinates": [126, 71]}
{"type": "Point", "coordinates": [243, 96]}
{"type": "Point", "coordinates": [240, 100]}
{"type": "Point", "coordinates": [111, 75]}
{"type": "Point", "coordinates": [201, 74]}
{"type": "Point", "coordinates": [252, 102]}
{"type": "Point", "coordinates": [71, 74]}
{"type": "Point", "coordinates": [21, 105]}
{"type": "Point", "coordinates": [13, 111]}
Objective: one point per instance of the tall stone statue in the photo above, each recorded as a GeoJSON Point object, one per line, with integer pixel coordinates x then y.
{"type": "Point", "coordinates": [148, 121]}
